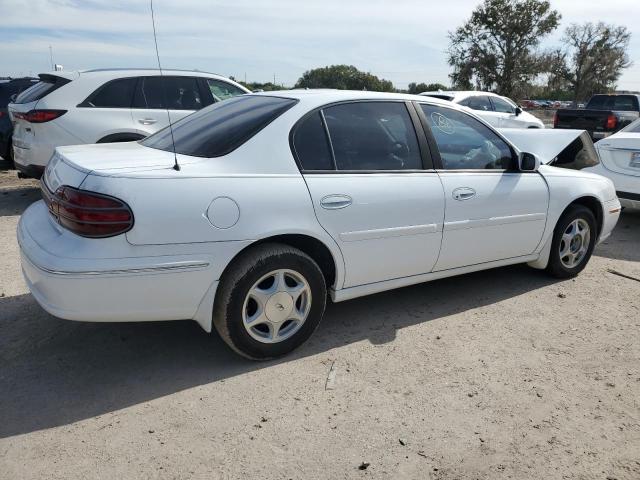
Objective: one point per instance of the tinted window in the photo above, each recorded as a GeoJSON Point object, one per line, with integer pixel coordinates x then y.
{"type": "Point", "coordinates": [502, 106]}
{"type": "Point", "coordinates": [477, 103]}
{"type": "Point", "coordinates": [223, 90]}
{"type": "Point", "coordinates": [311, 144]}
{"type": "Point", "coordinates": [180, 93]}
{"type": "Point", "coordinates": [220, 128]}
{"type": "Point", "coordinates": [373, 136]}
{"type": "Point", "coordinates": [8, 89]}
{"type": "Point", "coordinates": [114, 94]}
{"type": "Point", "coordinates": [614, 102]}
{"type": "Point", "coordinates": [632, 127]}
{"type": "Point", "coordinates": [46, 85]}
{"type": "Point", "coordinates": [464, 142]}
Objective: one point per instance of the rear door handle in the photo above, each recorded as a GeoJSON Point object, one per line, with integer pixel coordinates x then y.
{"type": "Point", "coordinates": [335, 202]}
{"type": "Point", "coordinates": [147, 121]}
{"type": "Point", "coordinates": [463, 193]}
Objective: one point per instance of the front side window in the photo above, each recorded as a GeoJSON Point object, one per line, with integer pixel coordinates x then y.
{"type": "Point", "coordinates": [223, 90]}
{"type": "Point", "coordinates": [311, 144]}
{"type": "Point", "coordinates": [220, 128]}
{"type": "Point", "coordinates": [502, 106]}
{"type": "Point", "coordinates": [173, 93]}
{"type": "Point", "coordinates": [465, 143]}
{"type": "Point", "coordinates": [115, 94]}
{"type": "Point", "coordinates": [478, 102]}
{"type": "Point", "coordinates": [373, 136]}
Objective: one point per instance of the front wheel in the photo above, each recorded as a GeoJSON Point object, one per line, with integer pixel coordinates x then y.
{"type": "Point", "coordinates": [573, 241]}
{"type": "Point", "coordinates": [269, 301]}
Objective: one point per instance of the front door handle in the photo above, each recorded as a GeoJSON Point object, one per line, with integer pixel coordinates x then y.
{"type": "Point", "coordinates": [463, 193]}
{"type": "Point", "coordinates": [335, 202]}
{"type": "Point", "coordinates": [147, 121]}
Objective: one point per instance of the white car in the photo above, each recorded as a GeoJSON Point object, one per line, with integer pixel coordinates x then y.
{"type": "Point", "coordinates": [98, 106]}
{"type": "Point", "coordinates": [620, 161]}
{"type": "Point", "coordinates": [500, 112]}
{"type": "Point", "coordinates": [274, 199]}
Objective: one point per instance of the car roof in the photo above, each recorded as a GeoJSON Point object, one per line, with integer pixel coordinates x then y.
{"type": "Point", "coordinates": [460, 94]}
{"type": "Point", "coordinates": [316, 97]}
{"type": "Point", "coordinates": [139, 72]}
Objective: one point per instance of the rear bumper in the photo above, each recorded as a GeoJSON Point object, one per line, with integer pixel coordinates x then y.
{"type": "Point", "coordinates": [116, 289]}
{"type": "Point", "coordinates": [31, 155]}
{"type": "Point", "coordinates": [611, 215]}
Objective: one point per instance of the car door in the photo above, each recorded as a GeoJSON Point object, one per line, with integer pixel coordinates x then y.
{"type": "Point", "coordinates": [506, 112]}
{"type": "Point", "coordinates": [482, 107]}
{"type": "Point", "coordinates": [373, 187]}
{"type": "Point", "coordinates": [492, 211]}
{"type": "Point", "coordinates": [160, 98]}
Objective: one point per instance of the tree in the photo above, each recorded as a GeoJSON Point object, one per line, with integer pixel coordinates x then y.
{"type": "Point", "coordinates": [594, 58]}
{"type": "Point", "coordinates": [425, 87]}
{"type": "Point", "coordinates": [343, 77]}
{"type": "Point", "coordinates": [496, 49]}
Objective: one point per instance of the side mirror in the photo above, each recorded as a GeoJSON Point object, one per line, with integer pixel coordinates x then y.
{"type": "Point", "coordinates": [518, 111]}
{"type": "Point", "coordinates": [528, 162]}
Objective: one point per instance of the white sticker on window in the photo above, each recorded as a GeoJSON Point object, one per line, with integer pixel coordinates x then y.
{"type": "Point", "coordinates": [442, 123]}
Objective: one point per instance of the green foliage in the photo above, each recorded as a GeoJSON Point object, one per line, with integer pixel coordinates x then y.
{"type": "Point", "coordinates": [594, 58]}
{"type": "Point", "coordinates": [343, 77]}
{"type": "Point", "coordinates": [416, 88]}
{"type": "Point", "coordinates": [496, 49]}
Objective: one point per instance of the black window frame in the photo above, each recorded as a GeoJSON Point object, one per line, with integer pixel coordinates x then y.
{"type": "Point", "coordinates": [199, 85]}
{"type": "Point", "coordinates": [428, 164]}
{"type": "Point", "coordinates": [437, 159]}
{"type": "Point", "coordinates": [97, 91]}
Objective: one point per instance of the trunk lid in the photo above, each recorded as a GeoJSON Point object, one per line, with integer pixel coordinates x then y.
{"type": "Point", "coordinates": [621, 153]}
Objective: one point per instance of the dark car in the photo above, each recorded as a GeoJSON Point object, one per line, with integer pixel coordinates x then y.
{"type": "Point", "coordinates": [603, 115]}
{"type": "Point", "coordinates": [8, 88]}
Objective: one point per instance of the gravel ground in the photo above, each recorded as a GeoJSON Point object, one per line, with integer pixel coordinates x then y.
{"type": "Point", "coordinates": [498, 374]}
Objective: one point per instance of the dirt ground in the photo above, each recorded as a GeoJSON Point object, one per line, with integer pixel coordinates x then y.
{"type": "Point", "coordinates": [499, 374]}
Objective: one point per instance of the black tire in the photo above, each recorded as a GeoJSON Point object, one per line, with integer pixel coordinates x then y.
{"type": "Point", "coordinates": [241, 276]}
{"type": "Point", "coordinates": [555, 266]}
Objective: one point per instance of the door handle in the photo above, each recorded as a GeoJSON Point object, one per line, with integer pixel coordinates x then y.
{"type": "Point", "coordinates": [335, 202]}
{"type": "Point", "coordinates": [463, 193]}
{"type": "Point", "coordinates": [147, 121]}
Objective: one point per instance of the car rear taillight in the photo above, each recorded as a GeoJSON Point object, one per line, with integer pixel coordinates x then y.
{"type": "Point", "coordinates": [611, 122]}
{"type": "Point", "coordinates": [555, 120]}
{"type": "Point", "coordinates": [88, 214]}
{"type": "Point", "coordinates": [39, 116]}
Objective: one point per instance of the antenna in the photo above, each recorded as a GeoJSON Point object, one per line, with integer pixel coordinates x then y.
{"type": "Point", "coordinates": [176, 166]}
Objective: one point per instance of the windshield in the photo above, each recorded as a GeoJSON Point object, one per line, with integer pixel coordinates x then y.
{"type": "Point", "coordinates": [220, 128]}
{"type": "Point", "coordinates": [633, 127]}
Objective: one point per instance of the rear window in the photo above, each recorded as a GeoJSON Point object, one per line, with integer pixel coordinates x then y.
{"type": "Point", "coordinates": [46, 85]}
{"type": "Point", "coordinates": [626, 103]}
{"type": "Point", "coordinates": [220, 128]}
{"type": "Point", "coordinates": [8, 89]}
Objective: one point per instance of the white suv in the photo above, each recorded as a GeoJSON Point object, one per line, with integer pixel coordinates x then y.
{"type": "Point", "coordinates": [499, 112]}
{"type": "Point", "coordinates": [100, 106]}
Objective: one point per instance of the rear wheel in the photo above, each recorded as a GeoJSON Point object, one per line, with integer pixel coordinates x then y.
{"type": "Point", "coordinates": [573, 241]}
{"type": "Point", "coordinates": [269, 301]}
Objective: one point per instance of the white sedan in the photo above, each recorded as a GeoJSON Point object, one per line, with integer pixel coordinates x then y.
{"type": "Point", "coordinates": [250, 211]}
{"type": "Point", "coordinates": [620, 161]}
{"type": "Point", "coordinates": [498, 111]}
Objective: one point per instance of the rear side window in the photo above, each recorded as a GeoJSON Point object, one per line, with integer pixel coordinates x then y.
{"type": "Point", "coordinates": [311, 144]}
{"type": "Point", "coordinates": [180, 93]}
{"type": "Point", "coordinates": [478, 102]}
{"type": "Point", "coordinates": [373, 136]}
{"type": "Point", "coordinates": [223, 90]}
{"type": "Point", "coordinates": [114, 94]}
{"type": "Point", "coordinates": [46, 85]}
{"type": "Point", "coordinates": [220, 128]}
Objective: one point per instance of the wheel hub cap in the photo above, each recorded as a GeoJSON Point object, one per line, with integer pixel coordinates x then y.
{"type": "Point", "coordinates": [279, 307]}
{"type": "Point", "coordinates": [574, 243]}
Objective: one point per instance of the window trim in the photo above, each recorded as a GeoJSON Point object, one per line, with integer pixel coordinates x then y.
{"type": "Point", "coordinates": [92, 95]}
{"type": "Point", "coordinates": [432, 141]}
{"type": "Point", "coordinates": [425, 153]}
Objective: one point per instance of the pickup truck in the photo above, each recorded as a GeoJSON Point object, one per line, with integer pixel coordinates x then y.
{"type": "Point", "coordinates": [603, 115]}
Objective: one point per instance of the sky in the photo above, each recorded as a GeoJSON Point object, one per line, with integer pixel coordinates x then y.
{"type": "Point", "coordinates": [403, 40]}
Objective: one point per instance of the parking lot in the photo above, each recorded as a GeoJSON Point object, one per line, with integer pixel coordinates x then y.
{"type": "Point", "coordinates": [499, 374]}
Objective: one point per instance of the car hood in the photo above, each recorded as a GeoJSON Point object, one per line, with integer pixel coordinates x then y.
{"type": "Point", "coordinates": [546, 143]}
